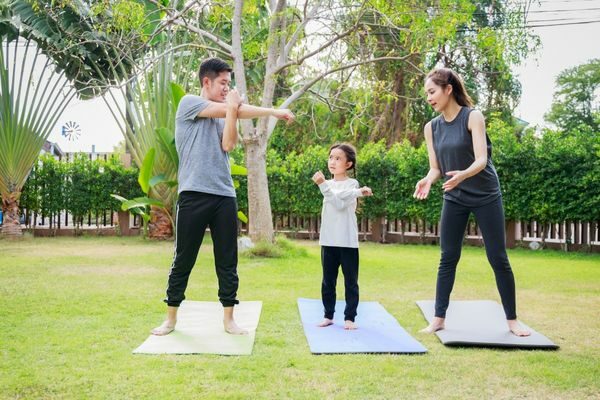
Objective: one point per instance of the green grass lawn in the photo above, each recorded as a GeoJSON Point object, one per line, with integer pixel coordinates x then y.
{"type": "Point", "coordinates": [73, 309]}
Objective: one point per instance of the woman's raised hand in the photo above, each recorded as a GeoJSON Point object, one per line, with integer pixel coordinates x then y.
{"type": "Point", "coordinates": [422, 189]}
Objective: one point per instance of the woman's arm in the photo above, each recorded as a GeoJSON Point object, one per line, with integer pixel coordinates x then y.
{"type": "Point", "coordinates": [424, 185]}
{"type": "Point", "coordinates": [476, 125]}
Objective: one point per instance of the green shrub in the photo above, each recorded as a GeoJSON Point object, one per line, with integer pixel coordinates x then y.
{"type": "Point", "coordinates": [281, 248]}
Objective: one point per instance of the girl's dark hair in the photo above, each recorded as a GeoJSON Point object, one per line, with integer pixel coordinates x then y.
{"type": "Point", "coordinates": [444, 77]}
{"type": "Point", "coordinates": [211, 68]}
{"type": "Point", "coordinates": [350, 153]}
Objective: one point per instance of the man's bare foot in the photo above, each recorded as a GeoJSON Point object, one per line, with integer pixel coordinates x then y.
{"type": "Point", "coordinates": [325, 322]}
{"type": "Point", "coordinates": [436, 325]}
{"type": "Point", "coordinates": [350, 325]}
{"type": "Point", "coordinates": [166, 328]}
{"type": "Point", "coordinates": [516, 328]}
{"type": "Point", "coordinates": [232, 328]}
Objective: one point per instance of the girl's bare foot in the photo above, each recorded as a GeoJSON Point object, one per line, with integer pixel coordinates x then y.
{"type": "Point", "coordinates": [350, 325]}
{"type": "Point", "coordinates": [232, 328]}
{"type": "Point", "coordinates": [516, 328]}
{"type": "Point", "coordinates": [166, 328]}
{"type": "Point", "coordinates": [325, 322]}
{"type": "Point", "coordinates": [436, 325]}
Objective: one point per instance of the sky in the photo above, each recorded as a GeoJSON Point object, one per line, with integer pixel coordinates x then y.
{"type": "Point", "coordinates": [562, 47]}
{"type": "Point", "coordinates": [98, 127]}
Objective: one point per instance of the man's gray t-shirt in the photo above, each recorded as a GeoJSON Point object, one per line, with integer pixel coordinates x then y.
{"type": "Point", "coordinates": [203, 165]}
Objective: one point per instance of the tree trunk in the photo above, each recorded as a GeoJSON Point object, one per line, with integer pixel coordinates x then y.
{"type": "Point", "coordinates": [260, 224]}
{"type": "Point", "coordinates": [391, 125]}
{"type": "Point", "coordinates": [11, 226]}
{"type": "Point", "coordinates": [159, 226]}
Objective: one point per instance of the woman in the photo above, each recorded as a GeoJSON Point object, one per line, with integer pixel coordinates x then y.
{"type": "Point", "coordinates": [460, 152]}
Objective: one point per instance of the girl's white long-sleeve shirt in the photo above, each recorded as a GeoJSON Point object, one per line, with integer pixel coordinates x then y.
{"type": "Point", "coordinates": [338, 217]}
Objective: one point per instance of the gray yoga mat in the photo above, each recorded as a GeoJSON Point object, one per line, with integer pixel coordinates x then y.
{"type": "Point", "coordinates": [481, 323]}
{"type": "Point", "coordinates": [200, 331]}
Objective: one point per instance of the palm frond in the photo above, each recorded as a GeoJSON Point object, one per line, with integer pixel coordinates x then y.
{"type": "Point", "coordinates": [32, 97]}
{"type": "Point", "coordinates": [150, 105]}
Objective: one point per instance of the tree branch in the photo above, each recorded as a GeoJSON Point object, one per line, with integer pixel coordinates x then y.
{"type": "Point", "coordinates": [207, 35]}
{"type": "Point", "coordinates": [325, 45]}
{"type": "Point", "coordinates": [316, 51]}
{"type": "Point", "coordinates": [294, 96]}
{"type": "Point", "coordinates": [296, 34]}
{"type": "Point", "coordinates": [316, 79]}
{"type": "Point", "coordinates": [239, 70]}
{"type": "Point", "coordinates": [272, 55]}
{"type": "Point", "coordinates": [175, 19]}
{"type": "Point", "coordinates": [172, 16]}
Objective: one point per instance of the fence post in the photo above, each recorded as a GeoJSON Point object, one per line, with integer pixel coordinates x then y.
{"type": "Point", "coordinates": [510, 234]}
{"type": "Point", "coordinates": [377, 230]}
{"type": "Point", "coordinates": [124, 223]}
{"type": "Point", "coordinates": [585, 237]}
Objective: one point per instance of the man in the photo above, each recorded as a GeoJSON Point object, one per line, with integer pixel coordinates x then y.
{"type": "Point", "coordinates": [205, 131]}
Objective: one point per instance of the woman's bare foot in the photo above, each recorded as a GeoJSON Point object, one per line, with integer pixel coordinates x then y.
{"type": "Point", "coordinates": [516, 328]}
{"type": "Point", "coordinates": [232, 328]}
{"type": "Point", "coordinates": [436, 325]}
{"type": "Point", "coordinates": [350, 325]}
{"type": "Point", "coordinates": [164, 329]}
{"type": "Point", "coordinates": [325, 322]}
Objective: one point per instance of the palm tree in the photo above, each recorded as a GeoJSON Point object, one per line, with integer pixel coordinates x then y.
{"type": "Point", "coordinates": [32, 97]}
{"type": "Point", "coordinates": [36, 88]}
{"type": "Point", "coordinates": [152, 97]}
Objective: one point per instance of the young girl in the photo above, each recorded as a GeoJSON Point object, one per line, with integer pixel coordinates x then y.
{"type": "Point", "coordinates": [339, 231]}
{"type": "Point", "coordinates": [460, 153]}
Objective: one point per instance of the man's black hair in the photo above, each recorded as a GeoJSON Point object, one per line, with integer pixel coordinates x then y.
{"type": "Point", "coordinates": [212, 67]}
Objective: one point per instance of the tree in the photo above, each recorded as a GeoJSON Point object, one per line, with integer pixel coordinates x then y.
{"type": "Point", "coordinates": [136, 75]}
{"type": "Point", "coordinates": [480, 39]}
{"type": "Point", "coordinates": [147, 121]}
{"type": "Point", "coordinates": [36, 34]}
{"type": "Point", "coordinates": [32, 101]}
{"type": "Point", "coordinates": [576, 102]}
{"type": "Point", "coordinates": [83, 38]}
{"type": "Point", "coordinates": [288, 50]}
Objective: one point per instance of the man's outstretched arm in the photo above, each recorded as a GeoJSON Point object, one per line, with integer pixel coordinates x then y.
{"type": "Point", "coordinates": [246, 111]}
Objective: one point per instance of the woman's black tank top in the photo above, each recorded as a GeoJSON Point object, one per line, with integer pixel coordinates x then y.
{"type": "Point", "coordinates": [453, 145]}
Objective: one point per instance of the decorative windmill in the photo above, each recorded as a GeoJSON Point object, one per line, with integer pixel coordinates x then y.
{"type": "Point", "coordinates": [71, 131]}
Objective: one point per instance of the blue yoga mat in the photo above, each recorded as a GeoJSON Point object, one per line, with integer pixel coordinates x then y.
{"type": "Point", "coordinates": [378, 331]}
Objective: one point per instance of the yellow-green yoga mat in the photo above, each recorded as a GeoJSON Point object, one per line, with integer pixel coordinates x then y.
{"type": "Point", "coordinates": [200, 330]}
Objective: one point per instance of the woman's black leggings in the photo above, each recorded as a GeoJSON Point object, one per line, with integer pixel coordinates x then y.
{"type": "Point", "coordinates": [490, 218]}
